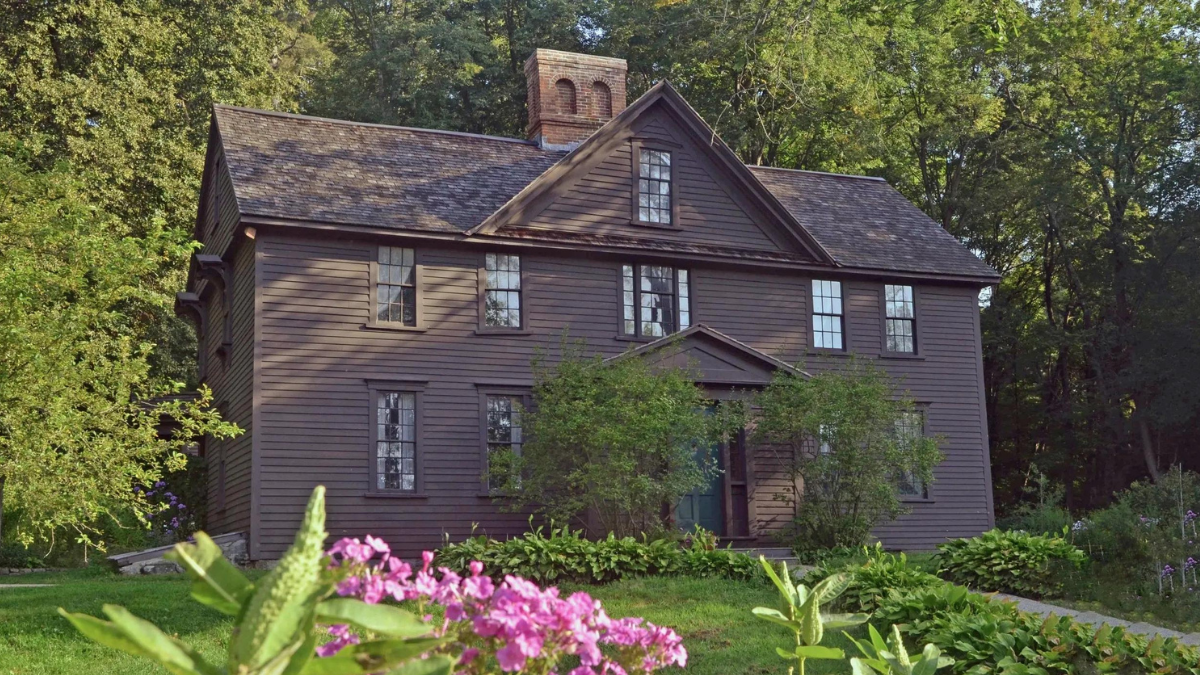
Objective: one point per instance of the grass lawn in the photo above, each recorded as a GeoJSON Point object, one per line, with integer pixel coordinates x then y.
{"type": "Point", "coordinates": [712, 616]}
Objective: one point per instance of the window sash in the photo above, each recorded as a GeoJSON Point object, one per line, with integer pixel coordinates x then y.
{"type": "Point", "coordinates": [655, 300]}
{"type": "Point", "coordinates": [827, 315]}
{"type": "Point", "coordinates": [396, 286]}
{"type": "Point", "coordinates": [502, 291]}
{"type": "Point", "coordinates": [899, 318]}
{"type": "Point", "coordinates": [654, 186]}
{"type": "Point", "coordinates": [502, 429]}
{"type": "Point", "coordinates": [395, 458]}
{"type": "Point", "coordinates": [910, 426]}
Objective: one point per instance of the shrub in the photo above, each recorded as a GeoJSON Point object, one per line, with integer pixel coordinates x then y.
{"type": "Point", "coordinates": [1037, 519]}
{"type": "Point", "coordinates": [565, 555]}
{"type": "Point", "coordinates": [873, 580]}
{"type": "Point", "coordinates": [14, 554]}
{"type": "Point", "coordinates": [1010, 562]}
{"type": "Point", "coordinates": [850, 440]}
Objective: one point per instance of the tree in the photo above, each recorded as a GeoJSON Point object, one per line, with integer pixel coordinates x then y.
{"type": "Point", "coordinates": [76, 431]}
{"type": "Point", "coordinates": [613, 440]}
{"type": "Point", "coordinates": [849, 440]}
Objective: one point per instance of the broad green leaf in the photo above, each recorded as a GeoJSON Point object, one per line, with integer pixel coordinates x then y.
{"type": "Point", "coordinates": [372, 657]}
{"type": "Point", "coordinates": [434, 665]}
{"type": "Point", "coordinates": [383, 619]}
{"type": "Point", "coordinates": [103, 632]}
{"type": "Point", "coordinates": [172, 654]}
{"type": "Point", "coordinates": [819, 652]}
{"type": "Point", "coordinates": [836, 621]}
{"type": "Point", "coordinates": [216, 581]}
{"type": "Point", "coordinates": [776, 616]}
{"type": "Point", "coordinates": [787, 591]}
{"type": "Point", "coordinates": [283, 660]}
{"type": "Point", "coordinates": [831, 587]}
{"type": "Point", "coordinates": [859, 667]}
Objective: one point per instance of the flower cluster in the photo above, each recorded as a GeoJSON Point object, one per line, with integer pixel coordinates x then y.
{"type": "Point", "coordinates": [517, 625]}
{"type": "Point", "coordinates": [169, 500]}
{"type": "Point", "coordinates": [1167, 570]}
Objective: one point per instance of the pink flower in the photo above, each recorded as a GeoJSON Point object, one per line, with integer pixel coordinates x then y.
{"type": "Point", "coordinates": [510, 657]}
{"type": "Point", "coordinates": [342, 638]}
{"type": "Point", "coordinates": [378, 545]}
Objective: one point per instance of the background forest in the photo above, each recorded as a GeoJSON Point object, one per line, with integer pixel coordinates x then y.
{"type": "Point", "coordinates": [1057, 138]}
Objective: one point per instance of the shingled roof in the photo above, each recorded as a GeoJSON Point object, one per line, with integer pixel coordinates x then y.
{"type": "Point", "coordinates": [312, 169]}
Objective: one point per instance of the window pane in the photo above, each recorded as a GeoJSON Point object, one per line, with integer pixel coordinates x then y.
{"type": "Point", "coordinates": [395, 449]}
{"type": "Point", "coordinates": [654, 186]}
{"type": "Point", "coordinates": [397, 292]}
{"type": "Point", "coordinates": [503, 431]}
{"type": "Point", "coordinates": [827, 314]}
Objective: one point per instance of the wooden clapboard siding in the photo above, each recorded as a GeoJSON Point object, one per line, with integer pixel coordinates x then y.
{"type": "Point", "coordinates": [316, 358]}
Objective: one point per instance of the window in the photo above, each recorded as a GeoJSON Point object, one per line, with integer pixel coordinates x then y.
{"type": "Point", "coordinates": [827, 314]}
{"type": "Point", "coordinates": [396, 441]}
{"type": "Point", "coordinates": [396, 286]}
{"type": "Point", "coordinates": [910, 427]}
{"type": "Point", "coordinates": [656, 300]}
{"type": "Point", "coordinates": [502, 421]}
{"type": "Point", "coordinates": [899, 319]}
{"type": "Point", "coordinates": [654, 186]}
{"type": "Point", "coordinates": [502, 291]}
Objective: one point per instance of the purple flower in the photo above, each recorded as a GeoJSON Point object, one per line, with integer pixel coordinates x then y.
{"type": "Point", "coordinates": [1167, 571]}
{"type": "Point", "coordinates": [342, 638]}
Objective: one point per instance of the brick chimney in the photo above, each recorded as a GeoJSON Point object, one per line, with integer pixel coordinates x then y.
{"type": "Point", "coordinates": [571, 96]}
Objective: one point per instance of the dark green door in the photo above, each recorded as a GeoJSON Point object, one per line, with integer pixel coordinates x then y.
{"type": "Point", "coordinates": [705, 505]}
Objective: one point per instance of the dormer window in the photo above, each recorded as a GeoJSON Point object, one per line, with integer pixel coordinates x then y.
{"type": "Point", "coordinates": [654, 186]}
{"type": "Point", "coordinates": [656, 300]}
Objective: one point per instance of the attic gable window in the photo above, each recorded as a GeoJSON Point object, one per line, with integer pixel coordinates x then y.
{"type": "Point", "coordinates": [656, 300]}
{"type": "Point", "coordinates": [654, 186]}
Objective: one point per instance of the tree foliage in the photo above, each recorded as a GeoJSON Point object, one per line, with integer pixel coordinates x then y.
{"type": "Point", "coordinates": [76, 431]}
{"type": "Point", "coordinates": [841, 437]}
{"type": "Point", "coordinates": [612, 441]}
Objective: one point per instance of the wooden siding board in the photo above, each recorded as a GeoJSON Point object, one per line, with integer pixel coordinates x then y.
{"type": "Point", "coordinates": [314, 358]}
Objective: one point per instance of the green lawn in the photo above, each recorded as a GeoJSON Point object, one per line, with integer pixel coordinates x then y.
{"type": "Point", "coordinates": [712, 616]}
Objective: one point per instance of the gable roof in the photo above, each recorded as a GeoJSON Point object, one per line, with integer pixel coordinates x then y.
{"type": "Point", "coordinates": [615, 131]}
{"type": "Point", "coordinates": [724, 359]}
{"type": "Point", "coordinates": [310, 169]}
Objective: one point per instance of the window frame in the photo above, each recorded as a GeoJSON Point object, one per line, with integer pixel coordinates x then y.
{"type": "Point", "coordinates": [637, 297]}
{"type": "Point", "coordinates": [812, 314]}
{"type": "Point", "coordinates": [483, 327]}
{"type": "Point", "coordinates": [921, 410]}
{"type": "Point", "coordinates": [525, 394]}
{"type": "Point", "coordinates": [636, 146]}
{"type": "Point", "coordinates": [417, 389]}
{"type": "Point", "coordinates": [373, 321]}
{"type": "Point", "coordinates": [883, 319]}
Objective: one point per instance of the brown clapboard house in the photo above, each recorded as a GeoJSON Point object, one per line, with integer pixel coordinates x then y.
{"type": "Point", "coordinates": [369, 297]}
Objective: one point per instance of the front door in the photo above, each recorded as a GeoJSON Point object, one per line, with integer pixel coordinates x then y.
{"type": "Point", "coordinates": [704, 506]}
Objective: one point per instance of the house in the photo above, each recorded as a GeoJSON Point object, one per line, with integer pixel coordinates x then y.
{"type": "Point", "coordinates": [368, 299]}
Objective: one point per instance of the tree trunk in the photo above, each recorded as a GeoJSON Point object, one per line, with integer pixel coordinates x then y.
{"type": "Point", "coordinates": [1148, 449]}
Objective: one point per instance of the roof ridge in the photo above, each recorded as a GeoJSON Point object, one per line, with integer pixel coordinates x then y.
{"type": "Point", "coordinates": [817, 173]}
{"type": "Point", "coordinates": [314, 118]}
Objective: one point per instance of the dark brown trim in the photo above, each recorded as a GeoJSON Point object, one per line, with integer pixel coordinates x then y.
{"type": "Point", "coordinates": [220, 272]}
{"type": "Point", "coordinates": [190, 304]}
{"type": "Point", "coordinates": [813, 349]}
{"type": "Point", "coordinates": [405, 386]}
{"type": "Point", "coordinates": [635, 155]}
{"type": "Point", "coordinates": [256, 425]}
{"type": "Point", "coordinates": [373, 322]}
{"type": "Point", "coordinates": [884, 352]}
{"type": "Point", "coordinates": [734, 261]}
{"type": "Point", "coordinates": [483, 328]}
{"type": "Point", "coordinates": [522, 392]}
{"type": "Point", "coordinates": [983, 423]}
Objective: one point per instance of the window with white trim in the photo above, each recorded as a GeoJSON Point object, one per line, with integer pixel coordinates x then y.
{"type": "Point", "coordinates": [656, 300]}
{"type": "Point", "coordinates": [899, 323]}
{"type": "Point", "coordinates": [827, 314]}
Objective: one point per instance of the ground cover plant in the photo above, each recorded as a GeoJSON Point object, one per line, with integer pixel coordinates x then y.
{"type": "Point", "coordinates": [552, 555]}
{"type": "Point", "coordinates": [1029, 565]}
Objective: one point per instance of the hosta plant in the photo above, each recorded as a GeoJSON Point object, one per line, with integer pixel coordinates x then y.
{"type": "Point", "coordinates": [800, 612]}
{"type": "Point", "coordinates": [1010, 562]}
{"type": "Point", "coordinates": [276, 618]}
{"type": "Point", "coordinates": [891, 658]}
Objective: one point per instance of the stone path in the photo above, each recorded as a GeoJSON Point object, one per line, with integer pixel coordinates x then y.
{"type": "Point", "coordinates": [1095, 619]}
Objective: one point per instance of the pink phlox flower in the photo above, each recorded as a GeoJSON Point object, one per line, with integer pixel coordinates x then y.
{"type": "Point", "coordinates": [447, 588]}
{"type": "Point", "coordinates": [378, 545]}
{"type": "Point", "coordinates": [373, 590]}
{"type": "Point", "coordinates": [342, 638]}
{"type": "Point", "coordinates": [510, 657]}
{"type": "Point", "coordinates": [582, 670]}
{"type": "Point", "coordinates": [476, 568]}
{"type": "Point", "coordinates": [425, 584]}
{"type": "Point", "coordinates": [427, 559]}
{"type": "Point", "coordinates": [350, 586]}
{"type": "Point", "coordinates": [455, 611]}
{"type": "Point", "coordinates": [468, 656]}
{"type": "Point", "coordinates": [478, 587]}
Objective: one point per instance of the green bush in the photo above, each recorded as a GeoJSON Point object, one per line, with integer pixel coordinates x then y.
{"type": "Point", "coordinates": [1037, 519]}
{"type": "Point", "coordinates": [17, 555]}
{"type": "Point", "coordinates": [567, 556]}
{"type": "Point", "coordinates": [1010, 562]}
{"type": "Point", "coordinates": [875, 579]}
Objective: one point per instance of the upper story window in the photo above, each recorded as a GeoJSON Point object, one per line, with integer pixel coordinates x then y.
{"type": "Point", "coordinates": [827, 314]}
{"type": "Point", "coordinates": [396, 286]}
{"type": "Point", "coordinates": [656, 300]}
{"type": "Point", "coordinates": [654, 186]}
{"type": "Point", "coordinates": [503, 434]}
{"type": "Point", "coordinates": [910, 427]}
{"type": "Point", "coordinates": [899, 321]}
{"type": "Point", "coordinates": [502, 291]}
{"type": "Point", "coordinates": [396, 440]}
